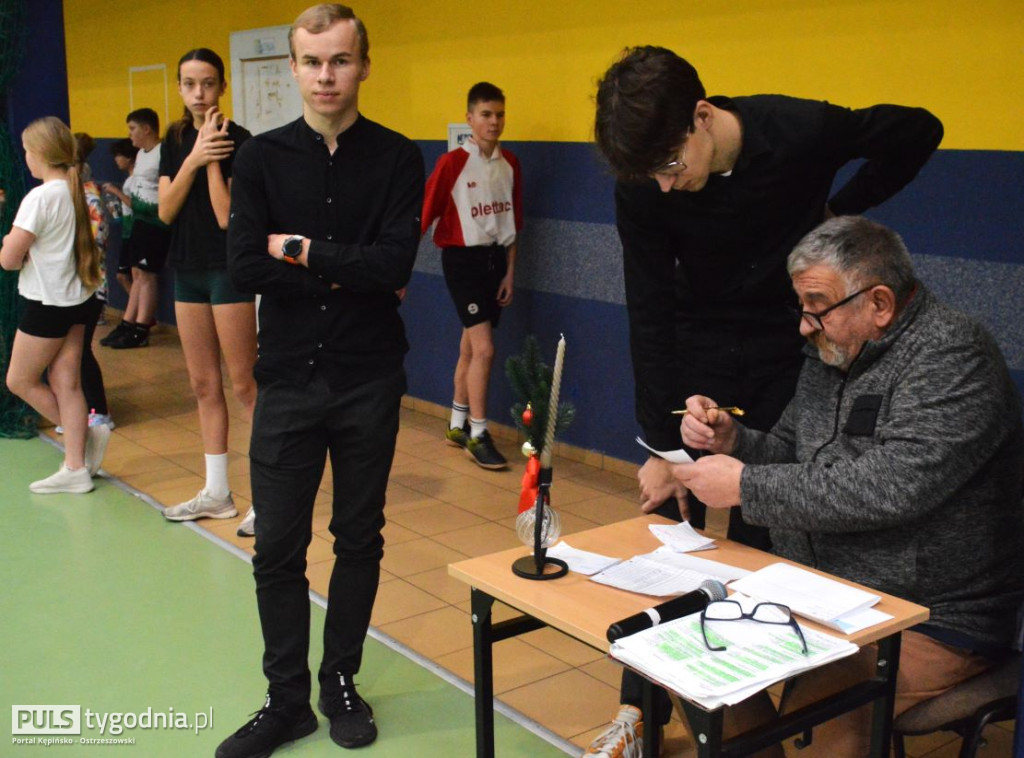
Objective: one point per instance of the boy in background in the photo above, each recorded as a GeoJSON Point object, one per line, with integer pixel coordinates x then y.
{"type": "Point", "coordinates": [120, 206]}
{"type": "Point", "coordinates": [150, 237]}
{"type": "Point", "coordinates": [476, 193]}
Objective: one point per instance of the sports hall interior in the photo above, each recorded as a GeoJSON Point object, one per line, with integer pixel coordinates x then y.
{"type": "Point", "coordinates": [960, 218]}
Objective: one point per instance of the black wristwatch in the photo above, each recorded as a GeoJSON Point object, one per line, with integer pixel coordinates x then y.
{"type": "Point", "coordinates": [292, 248]}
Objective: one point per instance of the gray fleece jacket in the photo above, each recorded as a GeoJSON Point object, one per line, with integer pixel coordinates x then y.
{"type": "Point", "coordinates": [904, 473]}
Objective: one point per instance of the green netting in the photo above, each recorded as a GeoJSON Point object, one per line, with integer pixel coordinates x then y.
{"type": "Point", "coordinates": [16, 418]}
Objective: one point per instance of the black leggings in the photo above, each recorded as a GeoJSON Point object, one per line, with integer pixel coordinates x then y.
{"type": "Point", "coordinates": [92, 377]}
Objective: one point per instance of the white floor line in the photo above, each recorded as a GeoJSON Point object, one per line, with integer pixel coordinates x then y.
{"type": "Point", "coordinates": [458, 682]}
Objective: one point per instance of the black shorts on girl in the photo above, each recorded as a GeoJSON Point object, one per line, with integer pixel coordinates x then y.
{"type": "Point", "coordinates": [55, 321]}
{"type": "Point", "coordinates": [473, 276]}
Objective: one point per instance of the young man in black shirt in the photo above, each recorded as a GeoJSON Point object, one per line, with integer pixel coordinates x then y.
{"type": "Point", "coordinates": [712, 194]}
{"type": "Point", "coordinates": [325, 225]}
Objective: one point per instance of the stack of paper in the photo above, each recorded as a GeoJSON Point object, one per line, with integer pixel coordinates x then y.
{"type": "Point", "coordinates": [756, 656]}
{"type": "Point", "coordinates": [834, 604]}
{"type": "Point", "coordinates": [666, 572]}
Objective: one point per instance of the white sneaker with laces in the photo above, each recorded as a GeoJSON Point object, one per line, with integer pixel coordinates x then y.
{"type": "Point", "coordinates": [74, 481]}
{"type": "Point", "coordinates": [101, 418]}
{"type": "Point", "coordinates": [622, 738]}
{"type": "Point", "coordinates": [202, 506]}
{"type": "Point", "coordinates": [96, 439]}
{"type": "Point", "coordinates": [248, 526]}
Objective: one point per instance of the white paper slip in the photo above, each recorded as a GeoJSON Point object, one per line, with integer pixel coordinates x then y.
{"type": "Point", "coordinates": [581, 561]}
{"type": "Point", "coordinates": [672, 456]}
{"type": "Point", "coordinates": [666, 572]}
{"type": "Point", "coordinates": [806, 593]}
{"type": "Point", "coordinates": [854, 622]}
{"type": "Point", "coordinates": [682, 537]}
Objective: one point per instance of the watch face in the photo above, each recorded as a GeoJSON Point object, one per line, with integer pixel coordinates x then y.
{"type": "Point", "coordinates": [292, 247]}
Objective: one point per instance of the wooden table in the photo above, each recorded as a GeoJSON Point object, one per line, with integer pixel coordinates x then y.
{"type": "Point", "coordinates": [584, 610]}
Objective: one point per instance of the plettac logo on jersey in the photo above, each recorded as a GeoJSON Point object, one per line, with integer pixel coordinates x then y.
{"type": "Point", "coordinates": [490, 209]}
{"type": "Point", "coordinates": [46, 719]}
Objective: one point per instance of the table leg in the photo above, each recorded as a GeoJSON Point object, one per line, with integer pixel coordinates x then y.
{"type": "Point", "coordinates": [706, 728]}
{"type": "Point", "coordinates": [483, 672]}
{"type": "Point", "coordinates": [881, 714]}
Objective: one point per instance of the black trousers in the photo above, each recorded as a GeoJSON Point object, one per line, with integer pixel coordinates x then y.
{"type": "Point", "coordinates": [92, 377]}
{"type": "Point", "coordinates": [294, 429]}
{"type": "Point", "coordinates": [753, 369]}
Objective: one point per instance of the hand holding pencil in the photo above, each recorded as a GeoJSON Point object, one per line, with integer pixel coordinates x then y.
{"type": "Point", "coordinates": [708, 426]}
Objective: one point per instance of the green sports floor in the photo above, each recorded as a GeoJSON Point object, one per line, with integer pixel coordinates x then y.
{"type": "Point", "coordinates": [106, 606]}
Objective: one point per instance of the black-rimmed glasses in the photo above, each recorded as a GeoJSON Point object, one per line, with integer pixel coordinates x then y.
{"type": "Point", "coordinates": [815, 319]}
{"type": "Point", "coordinates": [765, 613]}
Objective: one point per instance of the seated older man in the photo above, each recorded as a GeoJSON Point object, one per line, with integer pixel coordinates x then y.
{"type": "Point", "coordinates": [898, 465]}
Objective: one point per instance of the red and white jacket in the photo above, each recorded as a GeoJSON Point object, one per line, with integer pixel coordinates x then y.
{"type": "Point", "coordinates": [478, 199]}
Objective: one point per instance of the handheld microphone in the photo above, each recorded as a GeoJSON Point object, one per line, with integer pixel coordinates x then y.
{"type": "Point", "coordinates": [709, 591]}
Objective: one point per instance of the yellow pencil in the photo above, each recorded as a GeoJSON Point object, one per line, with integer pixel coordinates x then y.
{"type": "Point", "coordinates": [729, 409]}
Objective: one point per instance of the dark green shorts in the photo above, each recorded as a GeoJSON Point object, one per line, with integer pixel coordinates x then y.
{"type": "Point", "coordinates": [213, 287]}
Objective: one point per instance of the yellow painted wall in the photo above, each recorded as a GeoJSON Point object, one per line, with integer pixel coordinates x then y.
{"type": "Point", "coordinates": [963, 59]}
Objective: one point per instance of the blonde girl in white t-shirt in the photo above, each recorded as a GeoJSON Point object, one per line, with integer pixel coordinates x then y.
{"type": "Point", "coordinates": [52, 245]}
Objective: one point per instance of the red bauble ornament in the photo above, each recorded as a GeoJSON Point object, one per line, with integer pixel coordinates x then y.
{"type": "Point", "coordinates": [527, 415]}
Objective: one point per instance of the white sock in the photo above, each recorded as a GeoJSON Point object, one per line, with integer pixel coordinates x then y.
{"type": "Point", "coordinates": [459, 413]}
{"type": "Point", "coordinates": [477, 426]}
{"type": "Point", "coordinates": [217, 476]}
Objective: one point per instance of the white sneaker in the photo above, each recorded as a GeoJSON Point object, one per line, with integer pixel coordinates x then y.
{"type": "Point", "coordinates": [248, 526]}
{"type": "Point", "coordinates": [202, 506]}
{"type": "Point", "coordinates": [96, 439]}
{"type": "Point", "coordinates": [622, 738]}
{"type": "Point", "coordinates": [75, 481]}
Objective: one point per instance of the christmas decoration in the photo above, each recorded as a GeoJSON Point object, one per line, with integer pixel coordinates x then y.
{"type": "Point", "coordinates": [528, 415]}
{"type": "Point", "coordinates": [528, 449]}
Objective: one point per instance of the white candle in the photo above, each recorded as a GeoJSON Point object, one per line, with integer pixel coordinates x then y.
{"type": "Point", "coordinates": [556, 381]}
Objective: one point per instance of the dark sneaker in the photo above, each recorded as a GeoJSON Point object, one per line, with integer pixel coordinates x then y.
{"type": "Point", "coordinates": [116, 333]}
{"type": "Point", "coordinates": [351, 716]}
{"type": "Point", "coordinates": [481, 449]}
{"type": "Point", "coordinates": [268, 729]}
{"type": "Point", "coordinates": [137, 336]}
{"type": "Point", "coordinates": [457, 437]}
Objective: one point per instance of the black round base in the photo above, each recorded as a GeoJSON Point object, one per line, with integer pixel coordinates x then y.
{"type": "Point", "coordinates": [526, 567]}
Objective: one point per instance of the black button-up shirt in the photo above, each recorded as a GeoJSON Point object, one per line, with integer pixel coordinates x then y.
{"type": "Point", "coordinates": [716, 259]}
{"type": "Point", "coordinates": [360, 208]}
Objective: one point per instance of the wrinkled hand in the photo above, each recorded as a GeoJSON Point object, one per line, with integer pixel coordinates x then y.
{"type": "Point", "coordinates": [714, 479]}
{"type": "Point", "coordinates": [213, 143]}
{"type": "Point", "coordinates": [706, 428]}
{"type": "Point", "coordinates": [657, 484]}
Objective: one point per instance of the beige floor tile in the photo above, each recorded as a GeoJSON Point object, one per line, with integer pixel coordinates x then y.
{"type": "Point", "coordinates": [319, 576]}
{"type": "Point", "coordinates": [399, 600]}
{"type": "Point", "coordinates": [148, 429]}
{"type": "Point", "coordinates": [568, 703]}
{"type": "Point", "coordinates": [320, 549]}
{"type": "Point", "coordinates": [177, 441]}
{"type": "Point", "coordinates": [604, 669]}
{"type": "Point", "coordinates": [515, 665]}
{"type": "Point", "coordinates": [438, 583]}
{"type": "Point", "coordinates": [480, 539]}
{"type": "Point", "coordinates": [606, 481]}
{"type": "Point", "coordinates": [562, 646]}
{"type": "Point", "coordinates": [483, 499]}
{"type": "Point", "coordinates": [605, 509]}
{"type": "Point", "coordinates": [435, 633]}
{"type": "Point", "coordinates": [431, 521]}
{"type": "Point", "coordinates": [396, 534]}
{"type": "Point", "coordinates": [418, 555]}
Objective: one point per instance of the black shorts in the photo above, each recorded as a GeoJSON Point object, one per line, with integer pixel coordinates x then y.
{"type": "Point", "coordinates": [55, 321]}
{"type": "Point", "coordinates": [149, 246]}
{"type": "Point", "coordinates": [473, 276]}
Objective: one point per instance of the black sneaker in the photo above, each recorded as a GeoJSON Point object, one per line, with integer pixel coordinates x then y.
{"type": "Point", "coordinates": [457, 437]}
{"type": "Point", "coordinates": [482, 450]}
{"type": "Point", "coordinates": [137, 336]}
{"type": "Point", "coordinates": [268, 729]}
{"type": "Point", "coordinates": [116, 333]}
{"type": "Point", "coordinates": [351, 716]}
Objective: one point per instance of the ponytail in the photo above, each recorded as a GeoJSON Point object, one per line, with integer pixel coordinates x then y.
{"type": "Point", "coordinates": [87, 252]}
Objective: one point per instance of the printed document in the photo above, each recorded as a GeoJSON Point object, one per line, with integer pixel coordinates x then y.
{"type": "Point", "coordinates": [666, 572]}
{"type": "Point", "coordinates": [756, 656]}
